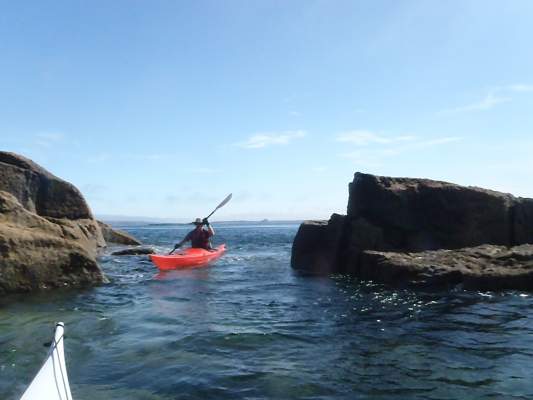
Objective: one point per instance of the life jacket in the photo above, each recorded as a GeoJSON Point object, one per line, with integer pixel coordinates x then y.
{"type": "Point", "coordinates": [200, 239]}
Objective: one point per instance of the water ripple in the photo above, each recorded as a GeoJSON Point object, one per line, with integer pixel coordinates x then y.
{"type": "Point", "coordinates": [249, 328]}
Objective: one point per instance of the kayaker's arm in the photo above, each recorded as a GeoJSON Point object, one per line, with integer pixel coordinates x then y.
{"type": "Point", "coordinates": [178, 245]}
{"type": "Point", "coordinates": [185, 239]}
{"type": "Point", "coordinates": [209, 227]}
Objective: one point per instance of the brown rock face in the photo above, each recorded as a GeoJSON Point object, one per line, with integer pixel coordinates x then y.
{"type": "Point", "coordinates": [485, 267]}
{"type": "Point", "coordinates": [37, 254]}
{"type": "Point", "coordinates": [316, 245]}
{"type": "Point", "coordinates": [420, 214]}
{"type": "Point", "coordinates": [388, 217]}
{"type": "Point", "coordinates": [48, 237]}
{"type": "Point", "coordinates": [522, 212]}
{"type": "Point", "coordinates": [39, 191]}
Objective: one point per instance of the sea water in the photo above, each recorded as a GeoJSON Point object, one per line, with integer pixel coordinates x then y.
{"type": "Point", "coordinates": [249, 327]}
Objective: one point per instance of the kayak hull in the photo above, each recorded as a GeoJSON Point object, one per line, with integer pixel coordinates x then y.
{"type": "Point", "coordinates": [51, 382]}
{"type": "Point", "coordinates": [188, 258]}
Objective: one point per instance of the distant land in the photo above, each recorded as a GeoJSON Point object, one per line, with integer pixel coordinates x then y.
{"type": "Point", "coordinates": [242, 222]}
{"type": "Point", "coordinates": [127, 220]}
{"type": "Point", "coordinates": [136, 219]}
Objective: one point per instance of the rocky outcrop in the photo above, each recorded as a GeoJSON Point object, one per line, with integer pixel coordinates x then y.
{"type": "Point", "coordinates": [395, 227]}
{"type": "Point", "coordinates": [421, 214]}
{"type": "Point", "coordinates": [48, 236]}
{"type": "Point", "coordinates": [316, 245]}
{"type": "Point", "coordinates": [112, 235]}
{"type": "Point", "coordinates": [40, 192]}
{"type": "Point", "coordinates": [36, 253]}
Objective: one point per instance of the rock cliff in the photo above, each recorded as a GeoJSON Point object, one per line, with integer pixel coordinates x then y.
{"type": "Point", "coordinates": [396, 228]}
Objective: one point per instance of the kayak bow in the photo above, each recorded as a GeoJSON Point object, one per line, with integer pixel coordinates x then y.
{"type": "Point", "coordinates": [51, 382]}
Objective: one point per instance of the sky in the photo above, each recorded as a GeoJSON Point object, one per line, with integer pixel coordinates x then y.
{"type": "Point", "coordinates": [161, 108]}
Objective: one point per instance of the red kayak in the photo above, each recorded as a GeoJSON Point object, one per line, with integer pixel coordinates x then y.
{"type": "Point", "coordinates": [187, 258]}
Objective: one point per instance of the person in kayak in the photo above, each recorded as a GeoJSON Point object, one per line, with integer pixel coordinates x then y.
{"type": "Point", "coordinates": [199, 237]}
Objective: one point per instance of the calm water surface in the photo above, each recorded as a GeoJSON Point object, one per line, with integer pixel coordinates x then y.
{"type": "Point", "coordinates": [248, 327]}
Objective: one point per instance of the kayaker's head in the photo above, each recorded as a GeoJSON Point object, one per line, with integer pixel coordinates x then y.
{"type": "Point", "coordinates": [198, 223]}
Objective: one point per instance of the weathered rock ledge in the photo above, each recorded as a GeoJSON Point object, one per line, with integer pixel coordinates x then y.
{"type": "Point", "coordinates": [485, 267]}
{"type": "Point", "coordinates": [423, 232]}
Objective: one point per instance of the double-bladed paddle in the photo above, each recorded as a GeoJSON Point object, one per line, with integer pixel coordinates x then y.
{"type": "Point", "coordinates": [222, 204]}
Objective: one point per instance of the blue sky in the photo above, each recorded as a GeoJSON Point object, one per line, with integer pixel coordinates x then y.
{"type": "Point", "coordinates": [161, 108]}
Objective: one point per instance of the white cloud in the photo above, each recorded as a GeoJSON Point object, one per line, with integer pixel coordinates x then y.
{"type": "Point", "coordinates": [197, 198]}
{"type": "Point", "coordinates": [320, 171]}
{"type": "Point", "coordinates": [520, 87]}
{"type": "Point", "coordinates": [367, 158]}
{"type": "Point", "coordinates": [364, 138]}
{"type": "Point", "coordinates": [496, 95]}
{"type": "Point", "coordinates": [202, 170]}
{"type": "Point", "coordinates": [295, 113]}
{"type": "Point", "coordinates": [421, 144]}
{"type": "Point", "coordinates": [54, 136]}
{"type": "Point", "coordinates": [99, 158]}
{"type": "Point", "coordinates": [94, 192]}
{"type": "Point", "coordinates": [372, 149]}
{"type": "Point", "coordinates": [104, 157]}
{"type": "Point", "coordinates": [262, 140]}
{"type": "Point", "coordinates": [444, 140]}
{"type": "Point", "coordinates": [489, 101]}
{"type": "Point", "coordinates": [48, 139]}
{"type": "Point", "coordinates": [146, 157]}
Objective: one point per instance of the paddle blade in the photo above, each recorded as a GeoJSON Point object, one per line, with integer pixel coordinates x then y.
{"type": "Point", "coordinates": [225, 201]}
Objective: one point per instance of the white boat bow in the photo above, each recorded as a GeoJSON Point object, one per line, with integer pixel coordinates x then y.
{"type": "Point", "coordinates": [51, 382]}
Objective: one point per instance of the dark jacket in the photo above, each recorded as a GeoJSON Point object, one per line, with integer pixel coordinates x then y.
{"type": "Point", "coordinates": [199, 238]}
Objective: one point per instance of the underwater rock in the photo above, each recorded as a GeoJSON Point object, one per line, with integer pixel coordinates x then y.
{"type": "Point", "coordinates": [134, 251]}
